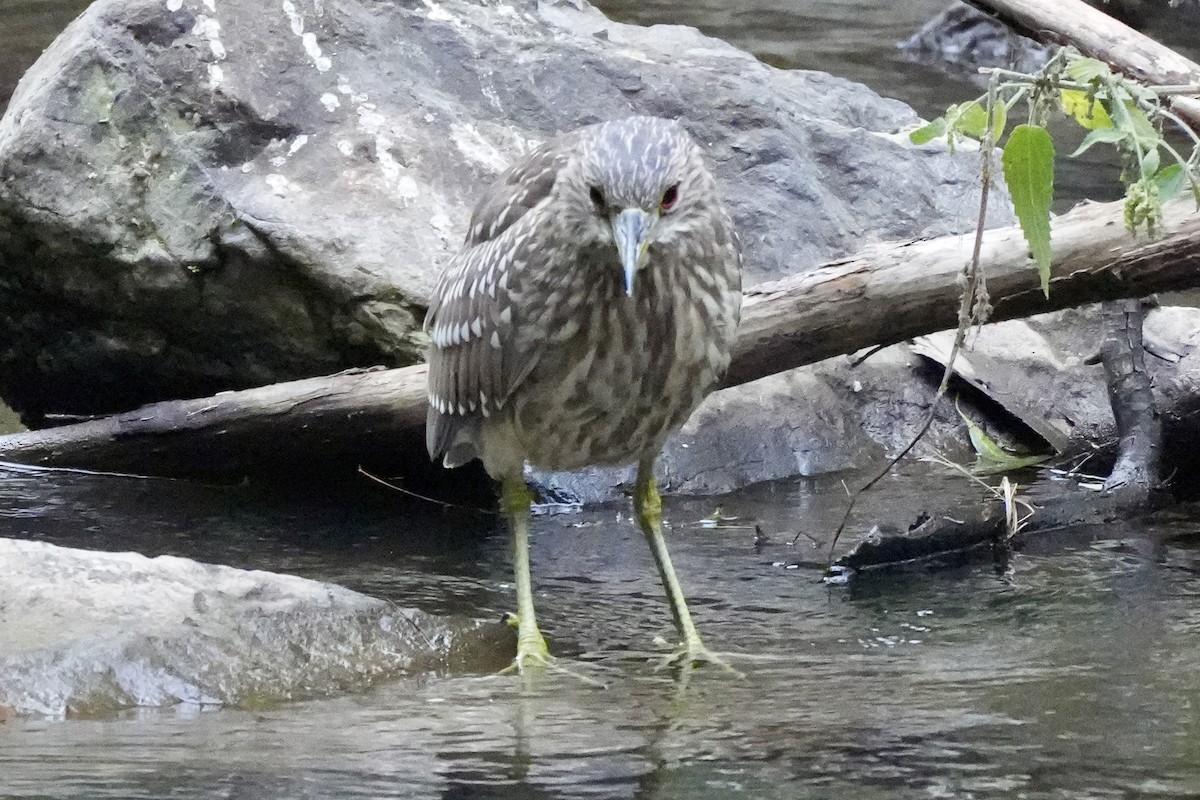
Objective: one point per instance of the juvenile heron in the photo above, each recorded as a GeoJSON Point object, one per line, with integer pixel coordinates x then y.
{"type": "Point", "coordinates": [592, 307]}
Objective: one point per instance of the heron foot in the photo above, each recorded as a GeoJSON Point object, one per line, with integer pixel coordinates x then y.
{"type": "Point", "coordinates": [532, 652]}
{"type": "Point", "coordinates": [533, 657]}
{"type": "Point", "coordinates": [692, 653]}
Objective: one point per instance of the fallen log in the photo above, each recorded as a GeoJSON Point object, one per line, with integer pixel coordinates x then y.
{"type": "Point", "coordinates": [884, 295]}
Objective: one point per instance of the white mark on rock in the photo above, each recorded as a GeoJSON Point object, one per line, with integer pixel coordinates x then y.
{"type": "Point", "coordinates": [174, 5]}
{"type": "Point", "coordinates": [294, 17]}
{"type": "Point", "coordinates": [278, 183]}
{"type": "Point", "coordinates": [472, 145]}
{"type": "Point", "coordinates": [299, 142]}
{"type": "Point", "coordinates": [439, 14]}
{"type": "Point", "coordinates": [403, 186]}
{"type": "Point", "coordinates": [313, 49]}
{"type": "Point", "coordinates": [330, 101]}
{"type": "Point", "coordinates": [248, 166]}
{"type": "Point", "coordinates": [387, 162]}
{"type": "Point", "coordinates": [370, 120]}
{"type": "Point", "coordinates": [211, 5]}
{"type": "Point", "coordinates": [345, 147]}
{"type": "Point", "coordinates": [309, 40]}
{"type": "Point", "coordinates": [216, 76]}
{"type": "Point", "coordinates": [210, 29]}
{"type": "Point", "coordinates": [278, 161]}
{"type": "Point", "coordinates": [345, 88]}
{"type": "Point", "coordinates": [489, 91]}
{"type": "Point", "coordinates": [407, 189]}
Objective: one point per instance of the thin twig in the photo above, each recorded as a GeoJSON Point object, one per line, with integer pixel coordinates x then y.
{"type": "Point", "coordinates": [966, 310]}
{"type": "Point", "coordinates": [426, 498]}
{"type": "Point", "coordinates": [36, 468]}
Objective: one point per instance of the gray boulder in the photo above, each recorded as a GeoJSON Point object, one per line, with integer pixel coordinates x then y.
{"type": "Point", "coordinates": [85, 632]}
{"type": "Point", "coordinates": [194, 198]}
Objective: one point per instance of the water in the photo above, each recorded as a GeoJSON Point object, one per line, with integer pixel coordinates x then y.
{"type": "Point", "coordinates": [1072, 676]}
{"type": "Point", "coordinates": [1069, 676]}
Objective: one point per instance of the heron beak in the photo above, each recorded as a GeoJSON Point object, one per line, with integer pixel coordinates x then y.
{"type": "Point", "coordinates": [631, 229]}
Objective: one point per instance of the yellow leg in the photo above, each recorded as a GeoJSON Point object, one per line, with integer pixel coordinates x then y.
{"type": "Point", "coordinates": [647, 504]}
{"type": "Point", "coordinates": [531, 647]}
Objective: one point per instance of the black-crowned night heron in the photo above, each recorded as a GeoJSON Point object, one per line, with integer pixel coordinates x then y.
{"type": "Point", "coordinates": [591, 309]}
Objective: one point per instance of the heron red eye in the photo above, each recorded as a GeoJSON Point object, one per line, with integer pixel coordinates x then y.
{"type": "Point", "coordinates": [670, 196]}
{"type": "Point", "coordinates": [597, 196]}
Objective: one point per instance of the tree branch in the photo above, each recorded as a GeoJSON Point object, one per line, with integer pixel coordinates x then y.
{"type": "Point", "coordinates": [1096, 34]}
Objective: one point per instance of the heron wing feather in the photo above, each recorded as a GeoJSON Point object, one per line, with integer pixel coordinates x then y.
{"type": "Point", "coordinates": [473, 368]}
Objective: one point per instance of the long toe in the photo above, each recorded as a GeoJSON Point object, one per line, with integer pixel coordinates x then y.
{"type": "Point", "coordinates": [692, 654]}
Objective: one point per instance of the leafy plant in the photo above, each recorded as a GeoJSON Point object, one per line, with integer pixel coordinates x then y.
{"type": "Point", "coordinates": [1114, 110]}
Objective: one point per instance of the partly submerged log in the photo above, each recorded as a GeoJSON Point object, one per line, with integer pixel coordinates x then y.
{"type": "Point", "coordinates": [883, 295]}
{"type": "Point", "coordinates": [951, 532]}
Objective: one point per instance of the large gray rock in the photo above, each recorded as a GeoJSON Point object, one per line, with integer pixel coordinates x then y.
{"type": "Point", "coordinates": [85, 632]}
{"type": "Point", "coordinates": [194, 197]}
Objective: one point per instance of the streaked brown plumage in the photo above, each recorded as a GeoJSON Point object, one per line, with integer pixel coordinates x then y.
{"type": "Point", "coordinates": [591, 309]}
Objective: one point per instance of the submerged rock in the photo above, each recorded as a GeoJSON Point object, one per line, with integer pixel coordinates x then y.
{"type": "Point", "coordinates": [196, 198]}
{"type": "Point", "coordinates": [964, 39]}
{"type": "Point", "coordinates": [84, 632]}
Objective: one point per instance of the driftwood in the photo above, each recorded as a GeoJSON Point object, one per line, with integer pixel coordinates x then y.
{"type": "Point", "coordinates": [885, 295]}
{"type": "Point", "coordinates": [1098, 35]}
{"type": "Point", "coordinates": [958, 531]}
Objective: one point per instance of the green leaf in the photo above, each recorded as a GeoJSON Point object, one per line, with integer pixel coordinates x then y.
{"type": "Point", "coordinates": [969, 119]}
{"type": "Point", "coordinates": [1170, 181]}
{"type": "Point", "coordinates": [1142, 126]}
{"type": "Point", "coordinates": [929, 132]}
{"type": "Point", "coordinates": [1105, 135]}
{"type": "Point", "coordinates": [1085, 70]}
{"type": "Point", "coordinates": [1150, 162]}
{"type": "Point", "coordinates": [1091, 114]}
{"type": "Point", "coordinates": [992, 457]}
{"type": "Point", "coordinates": [1029, 171]}
{"type": "Point", "coordinates": [1011, 463]}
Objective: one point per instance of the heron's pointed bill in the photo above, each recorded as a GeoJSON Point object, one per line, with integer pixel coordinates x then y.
{"type": "Point", "coordinates": [631, 229]}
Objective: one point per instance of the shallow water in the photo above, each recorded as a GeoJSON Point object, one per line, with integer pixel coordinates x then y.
{"type": "Point", "coordinates": [1069, 676]}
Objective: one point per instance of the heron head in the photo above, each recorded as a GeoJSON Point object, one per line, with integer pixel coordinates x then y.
{"type": "Point", "coordinates": [643, 178]}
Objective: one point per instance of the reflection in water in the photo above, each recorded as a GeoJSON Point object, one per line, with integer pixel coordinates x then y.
{"type": "Point", "coordinates": [1071, 676]}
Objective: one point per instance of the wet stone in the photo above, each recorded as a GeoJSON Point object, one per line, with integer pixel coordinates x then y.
{"type": "Point", "coordinates": [84, 633]}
